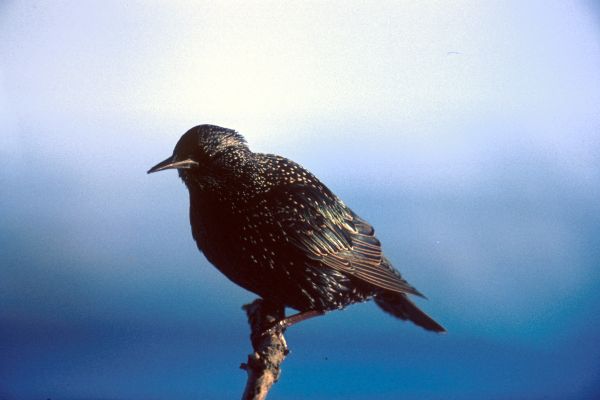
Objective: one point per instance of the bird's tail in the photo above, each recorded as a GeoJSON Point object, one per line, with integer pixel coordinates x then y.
{"type": "Point", "coordinates": [399, 305]}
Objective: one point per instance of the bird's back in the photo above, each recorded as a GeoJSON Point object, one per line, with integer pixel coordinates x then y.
{"type": "Point", "coordinates": [293, 241]}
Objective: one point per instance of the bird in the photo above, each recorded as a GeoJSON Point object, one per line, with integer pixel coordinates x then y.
{"type": "Point", "coordinates": [273, 228]}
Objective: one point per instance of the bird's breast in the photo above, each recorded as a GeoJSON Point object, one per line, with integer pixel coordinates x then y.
{"type": "Point", "coordinates": [209, 224]}
{"type": "Point", "coordinates": [216, 231]}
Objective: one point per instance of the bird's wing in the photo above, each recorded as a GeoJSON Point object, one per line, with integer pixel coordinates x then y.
{"type": "Point", "coordinates": [315, 221]}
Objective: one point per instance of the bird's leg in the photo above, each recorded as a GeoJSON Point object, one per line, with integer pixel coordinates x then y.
{"type": "Point", "coordinates": [292, 320]}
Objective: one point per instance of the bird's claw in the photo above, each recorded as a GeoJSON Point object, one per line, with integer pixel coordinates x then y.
{"type": "Point", "coordinates": [277, 328]}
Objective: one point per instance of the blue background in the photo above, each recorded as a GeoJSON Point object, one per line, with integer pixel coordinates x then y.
{"type": "Point", "coordinates": [467, 134]}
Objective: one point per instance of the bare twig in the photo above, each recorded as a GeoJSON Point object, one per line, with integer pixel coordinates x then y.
{"type": "Point", "coordinates": [264, 365]}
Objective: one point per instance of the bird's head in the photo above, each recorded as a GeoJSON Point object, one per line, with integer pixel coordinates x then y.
{"type": "Point", "coordinates": [205, 153]}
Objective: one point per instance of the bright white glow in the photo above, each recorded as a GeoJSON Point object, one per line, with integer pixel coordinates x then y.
{"type": "Point", "coordinates": [255, 64]}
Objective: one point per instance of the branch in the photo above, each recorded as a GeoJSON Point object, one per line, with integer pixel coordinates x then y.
{"type": "Point", "coordinates": [264, 365]}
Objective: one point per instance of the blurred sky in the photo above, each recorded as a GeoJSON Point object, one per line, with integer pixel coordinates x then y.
{"type": "Point", "coordinates": [467, 133]}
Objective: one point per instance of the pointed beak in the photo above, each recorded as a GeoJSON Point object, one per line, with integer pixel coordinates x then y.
{"type": "Point", "coordinates": [170, 163]}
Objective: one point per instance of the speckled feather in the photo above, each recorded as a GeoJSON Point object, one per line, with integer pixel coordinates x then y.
{"type": "Point", "coordinates": [273, 228]}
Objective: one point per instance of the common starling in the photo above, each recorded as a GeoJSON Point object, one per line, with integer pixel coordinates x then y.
{"type": "Point", "coordinates": [273, 228]}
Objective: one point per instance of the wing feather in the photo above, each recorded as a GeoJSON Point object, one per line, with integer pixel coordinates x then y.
{"type": "Point", "coordinates": [316, 222]}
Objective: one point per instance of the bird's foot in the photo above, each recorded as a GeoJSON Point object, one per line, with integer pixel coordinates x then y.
{"type": "Point", "coordinates": [281, 325]}
{"type": "Point", "coordinates": [276, 328]}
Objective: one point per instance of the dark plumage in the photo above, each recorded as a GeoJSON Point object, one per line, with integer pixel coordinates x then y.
{"type": "Point", "coordinates": [273, 228]}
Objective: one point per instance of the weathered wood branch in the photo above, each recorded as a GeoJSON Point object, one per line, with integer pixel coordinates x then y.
{"type": "Point", "coordinates": [264, 364]}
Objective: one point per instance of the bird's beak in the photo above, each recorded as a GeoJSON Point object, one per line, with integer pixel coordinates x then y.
{"type": "Point", "coordinates": [170, 163]}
